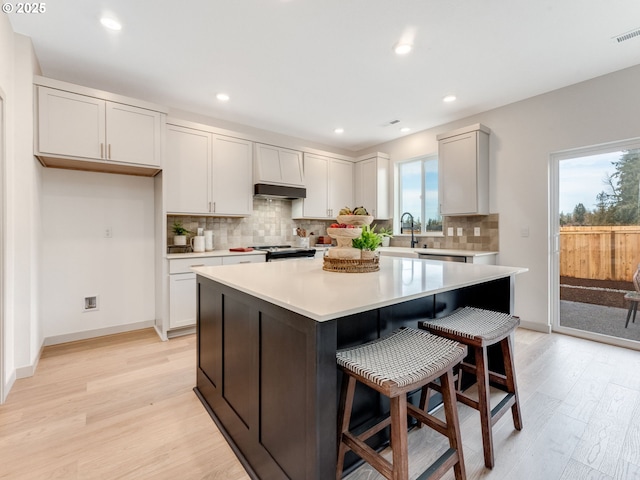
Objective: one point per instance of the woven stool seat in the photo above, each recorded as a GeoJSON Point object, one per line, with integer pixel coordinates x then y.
{"type": "Point", "coordinates": [405, 360]}
{"type": "Point", "coordinates": [479, 329]}
{"type": "Point", "coordinates": [475, 324]}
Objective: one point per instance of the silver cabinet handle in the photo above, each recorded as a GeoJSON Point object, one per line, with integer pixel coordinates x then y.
{"type": "Point", "coordinates": [246, 261]}
{"type": "Point", "coordinates": [109, 152]}
{"type": "Point", "coordinates": [101, 150]}
{"type": "Point", "coordinates": [199, 265]}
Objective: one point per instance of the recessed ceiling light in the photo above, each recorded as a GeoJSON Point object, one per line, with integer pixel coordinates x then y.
{"type": "Point", "coordinates": [223, 97]}
{"type": "Point", "coordinates": [402, 48]}
{"type": "Point", "coordinates": [449, 98]}
{"type": "Point", "coordinates": [338, 130]}
{"type": "Point", "coordinates": [405, 129]}
{"type": "Point", "coordinates": [111, 23]}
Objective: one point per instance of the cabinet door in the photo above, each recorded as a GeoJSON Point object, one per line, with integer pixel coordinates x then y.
{"type": "Point", "coordinates": [70, 124]}
{"type": "Point", "coordinates": [372, 186]}
{"type": "Point", "coordinates": [182, 300]}
{"type": "Point", "coordinates": [458, 167]}
{"type": "Point", "coordinates": [231, 176]}
{"type": "Point", "coordinates": [187, 170]}
{"type": "Point", "coordinates": [133, 134]}
{"type": "Point", "coordinates": [340, 186]}
{"type": "Point", "coordinates": [316, 173]}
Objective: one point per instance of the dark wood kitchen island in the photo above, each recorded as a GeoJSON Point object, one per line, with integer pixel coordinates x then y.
{"type": "Point", "coordinates": [268, 335]}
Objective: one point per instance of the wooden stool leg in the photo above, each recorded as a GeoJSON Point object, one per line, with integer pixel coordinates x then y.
{"type": "Point", "coordinates": [453, 424]}
{"type": "Point", "coordinates": [512, 387]}
{"type": "Point", "coordinates": [484, 404]}
{"type": "Point", "coordinates": [344, 416]}
{"type": "Point", "coordinates": [399, 437]}
{"type": "Point", "coordinates": [424, 402]}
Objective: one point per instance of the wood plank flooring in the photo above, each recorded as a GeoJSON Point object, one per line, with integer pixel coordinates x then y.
{"type": "Point", "coordinates": [122, 407]}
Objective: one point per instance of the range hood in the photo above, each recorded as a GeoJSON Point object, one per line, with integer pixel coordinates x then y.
{"type": "Point", "coordinates": [267, 190]}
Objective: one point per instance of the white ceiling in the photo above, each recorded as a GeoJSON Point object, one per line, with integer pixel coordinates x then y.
{"type": "Point", "coordinates": [305, 67]}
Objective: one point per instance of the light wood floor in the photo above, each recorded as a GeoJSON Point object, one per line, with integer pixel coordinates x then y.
{"type": "Point", "coordinates": [122, 407]}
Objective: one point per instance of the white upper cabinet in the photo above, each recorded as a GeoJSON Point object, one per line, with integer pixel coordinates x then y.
{"type": "Point", "coordinates": [206, 173]}
{"type": "Point", "coordinates": [82, 127]}
{"type": "Point", "coordinates": [372, 185]}
{"type": "Point", "coordinates": [329, 183]}
{"type": "Point", "coordinates": [278, 166]}
{"type": "Point", "coordinates": [70, 124]}
{"type": "Point", "coordinates": [187, 170]}
{"type": "Point", "coordinates": [231, 191]}
{"type": "Point", "coordinates": [463, 162]}
{"type": "Point", "coordinates": [133, 134]}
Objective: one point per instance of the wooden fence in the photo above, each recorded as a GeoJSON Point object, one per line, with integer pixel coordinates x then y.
{"type": "Point", "coordinates": [600, 253]}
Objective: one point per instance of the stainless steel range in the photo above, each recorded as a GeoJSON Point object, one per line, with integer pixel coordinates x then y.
{"type": "Point", "coordinates": [285, 252]}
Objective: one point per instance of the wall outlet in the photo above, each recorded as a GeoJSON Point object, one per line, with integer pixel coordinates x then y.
{"type": "Point", "coordinates": [524, 231]}
{"type": "Point", "coordinates": [476, 231]}
{"type": "Point", "coordinates": [459, 231]}
{"type": "Point", "coordinates": [108, 232]}
{"type": "Point", "coordinates": [450, 232]}
{"type": "Point", "coordinates": [295, 231]}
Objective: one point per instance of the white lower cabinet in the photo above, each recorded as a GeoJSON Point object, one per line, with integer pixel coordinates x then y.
{"type": "Point", "coordinates": [182, 300]}
{"type": "Point", "coordinates": [182, 285]}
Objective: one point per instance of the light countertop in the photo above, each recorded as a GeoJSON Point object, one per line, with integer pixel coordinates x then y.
{"type": "Point", "coordinates": [214, 253]}
{"type": "Point", "coordinates": [303, 287]}
{"type": "Point", "coordinates": [436, 251]}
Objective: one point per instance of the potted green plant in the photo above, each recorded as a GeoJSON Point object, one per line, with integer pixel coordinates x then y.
{"type": "Point", "coordinates": [386, 233]}
{"type": "Point", "coordinates": [367, 242]}
{"type": "Point", "coordinates": [179, 233]}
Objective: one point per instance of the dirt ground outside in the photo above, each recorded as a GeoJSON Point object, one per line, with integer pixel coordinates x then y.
{"type": "Point", "coordinates": [609, 293]}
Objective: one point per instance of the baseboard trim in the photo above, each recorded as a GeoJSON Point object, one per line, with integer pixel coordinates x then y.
{"type": "Point", "coordinates": [29, 370]}
{"type": "Point", "coordinates": [100, 332]}
{"type": "Point", "coordinates": [538, 327]}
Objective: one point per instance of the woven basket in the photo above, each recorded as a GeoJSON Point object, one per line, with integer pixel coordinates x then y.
{"type": "Point", "coordinates": [351, 266]}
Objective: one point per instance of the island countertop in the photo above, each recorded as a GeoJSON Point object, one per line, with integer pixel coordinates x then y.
{"type": "Point", "coordinates": [303, 287]}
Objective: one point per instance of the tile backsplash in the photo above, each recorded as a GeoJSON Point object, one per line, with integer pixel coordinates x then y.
{"type": "Point", "coordinates": [271, 224]}
{"type": "Point", "coordinates": [488, 240]}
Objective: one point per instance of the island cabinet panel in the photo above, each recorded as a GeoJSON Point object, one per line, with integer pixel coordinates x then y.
{"type": "Point", "coordinates": [240, 363]}
{"type": "Point", "coordinates": [268, 378]}
{"type": "Point", "coordinates": [276, 402]}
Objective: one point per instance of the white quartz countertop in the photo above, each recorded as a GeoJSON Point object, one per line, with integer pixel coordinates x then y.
{"type": "Point", "coordinates": [303, 287]}
{"type": "Point", "coordinates": [214, 253]}
{"type": "Point", "coordinates": [437, 251]}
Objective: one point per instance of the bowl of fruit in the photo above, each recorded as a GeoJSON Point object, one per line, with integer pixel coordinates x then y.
{"type": "Point", "coordinates": [357, 216]}
{"type": "Point", "coordinates": [344, 230]}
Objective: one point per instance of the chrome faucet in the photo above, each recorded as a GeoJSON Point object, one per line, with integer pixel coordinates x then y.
{"type": "Point", "coordinates": [414, 242]}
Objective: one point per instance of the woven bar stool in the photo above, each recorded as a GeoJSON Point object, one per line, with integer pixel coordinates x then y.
{"type": "Point", "coordinates": [479, 329]}
{"type": "Point", "coordinates": [394, 365]}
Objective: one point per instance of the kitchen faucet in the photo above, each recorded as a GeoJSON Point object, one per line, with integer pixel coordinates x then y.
{"type": "Point", "coordinates": [414, 242]}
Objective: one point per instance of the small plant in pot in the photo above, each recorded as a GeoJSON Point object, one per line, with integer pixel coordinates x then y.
{"type": "Point", "coordinates": [179, 233]}
{"type": "Point", "coordinates": [386, 233]}
{"type": "Point", "coordinates": [367, 242]}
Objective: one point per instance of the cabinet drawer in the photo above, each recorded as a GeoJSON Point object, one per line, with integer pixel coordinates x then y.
{"type": "Point", "coordinates": [234, 259]}
{"type": "Point", "coordinates": [183, 265]}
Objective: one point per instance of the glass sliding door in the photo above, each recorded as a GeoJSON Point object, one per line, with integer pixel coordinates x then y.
{"type": "Point", "coordinates": [595, 221]}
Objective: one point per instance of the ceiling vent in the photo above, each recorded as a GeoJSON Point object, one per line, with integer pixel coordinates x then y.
{"type": "Point", "coordinates": [627, 36]}
{"type": "Point", "coordinates": [392, 122]}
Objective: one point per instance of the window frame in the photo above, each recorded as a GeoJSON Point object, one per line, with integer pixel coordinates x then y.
{"type": "Point", "coordinates": [423, 159]}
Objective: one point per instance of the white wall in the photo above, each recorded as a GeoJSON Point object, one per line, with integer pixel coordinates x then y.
{"type": "Point", "coordinates": [22, 336]}
{"type": "Point", "coordinates": [78, 261]}
{"type": "Point", "coordinates": [524, 134]}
